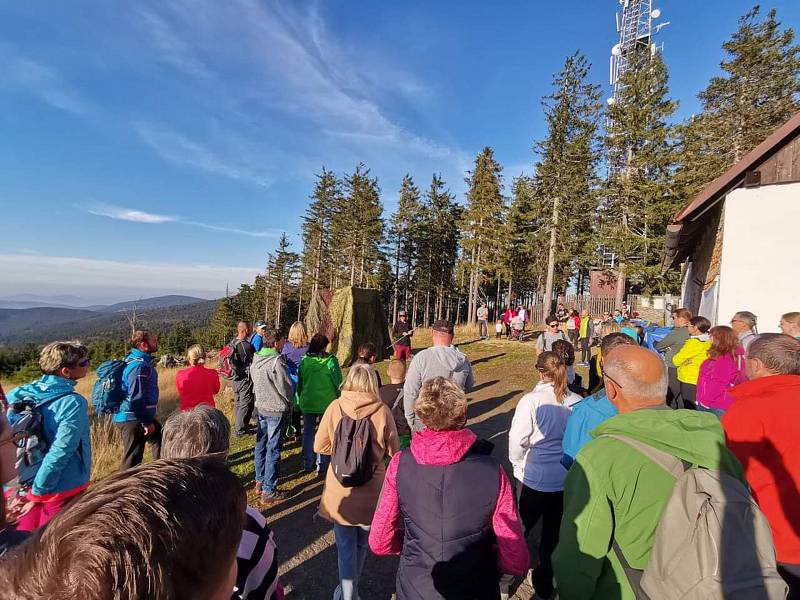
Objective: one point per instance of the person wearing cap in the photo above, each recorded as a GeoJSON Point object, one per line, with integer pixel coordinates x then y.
{"type": "Point", "coordinates": [483, 321]}
{"type": "Point", "coordinates": [441, 360]}
{"type": "Point", "coordinates": [401, 334]}
{"type": "Point", "coordinates": [257, 337]}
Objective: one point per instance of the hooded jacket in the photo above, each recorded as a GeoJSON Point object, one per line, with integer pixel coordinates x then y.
{"type": "Point", "coordinates": [614, 493]}
{"type": "Point", "coordinates": [585, 416]}
{"type": "Point", "coordinates": [443, 448]}
{"type": "Point", "coordinates": [437, 361]}
{"type": "Point", "coordinates": [318, 380]}
{"type": "Point", "coordinates": [140, 385]}
{"type": "Point", "coordinates": [693, 353]}
{"type": "Point", "coordinates": [67, 465]}
{"type": "Point", "coordinates": [271, 382]}
{"type": "Point", "coordinates": [761, 428]}
{"type": "Point", "coordinates": [356, 505]}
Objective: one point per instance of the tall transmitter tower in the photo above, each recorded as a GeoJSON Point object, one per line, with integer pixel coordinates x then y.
{"type": "Point", "coordinates": [636, 27]}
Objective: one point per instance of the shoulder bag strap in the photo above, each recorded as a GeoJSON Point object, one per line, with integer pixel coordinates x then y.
{"type": "Point", "coordinates": [671, 464]}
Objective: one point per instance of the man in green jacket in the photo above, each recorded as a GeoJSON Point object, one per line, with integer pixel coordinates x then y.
{"type": "Point", "coordinates": [614, 493]}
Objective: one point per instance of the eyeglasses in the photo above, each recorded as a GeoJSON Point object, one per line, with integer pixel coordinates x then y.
{"type": "Point", "coordinates": [553, 324]}
{"type": "Point", "coordinates": [84, 363]}
{"type": "Point", "coordinates": [607, 376]}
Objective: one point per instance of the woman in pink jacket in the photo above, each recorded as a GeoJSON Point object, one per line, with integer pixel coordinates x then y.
{"type": "Point", "coordinates": [447, 508]}
{"type": "Point", "coordinates": [719, 372]}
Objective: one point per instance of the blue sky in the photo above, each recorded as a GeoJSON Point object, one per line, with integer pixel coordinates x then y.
{"type": "Point", "coordinates": [153, 147]}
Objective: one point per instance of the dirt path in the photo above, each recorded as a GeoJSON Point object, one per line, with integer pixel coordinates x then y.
{"type": "Point", "coordinates": [503, 372]}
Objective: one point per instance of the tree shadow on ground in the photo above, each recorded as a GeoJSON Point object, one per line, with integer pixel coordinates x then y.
{"type": "Point", "coordinates": [483, 385]}
{"type": "Point", "coordinates": [480, 407]}
{"type": "Point", "coordinates": [484, 359]}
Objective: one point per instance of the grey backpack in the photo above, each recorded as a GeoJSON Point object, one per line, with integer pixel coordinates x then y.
{"type": "Point", "coordinates": [712, 541]}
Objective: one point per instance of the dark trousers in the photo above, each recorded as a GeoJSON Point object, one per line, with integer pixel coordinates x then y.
{"type": "Point", "coordinates": [572, 334]}
{"type": "Point", "coordinates": [133, 441]}
{"type": "Point", "coordinates": [586, 351]}
{"type": "Point", "coordinates": [791, 575]}
{"type": "Point", "coordinates": [674, 388]}
{"type": "Point", "coordinates": [243, 403]}
{"type": "Point", "coordinates": [548, 506]}
{"type": "Point", "coordinates": [297, 421]}
{"type": "Point", "coordinates": [688, 397]}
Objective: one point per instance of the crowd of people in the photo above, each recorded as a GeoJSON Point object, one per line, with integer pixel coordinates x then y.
{"type": "Point", "coordinates": [605, 470]}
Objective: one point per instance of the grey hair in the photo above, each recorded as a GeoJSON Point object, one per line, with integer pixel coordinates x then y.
{"type": "Point", "coordinates": [202, 430]}
{"type": "Point", "coordinates": [749, 318]}
{"type": "Point", "coordinates": [779, 353]}
{"type": "Point", "coordinates": [625, 374]}
{"type": "Point", "coordinates": [57, 355]}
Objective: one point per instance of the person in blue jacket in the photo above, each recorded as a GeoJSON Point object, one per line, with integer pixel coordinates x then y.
{"type": "Point", "coordinates": [66, 466]}
{"type": "Point", "coordinates": [592, 410]}
{"type": "Point", "coordinates": [136, 418]}
{"type": "Point", "coordinates": [257, 337]}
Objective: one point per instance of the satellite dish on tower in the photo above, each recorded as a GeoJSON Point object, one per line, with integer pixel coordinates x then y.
{"type": "Point", "coordinates": [616, 50]}
{"type": "Point", "coordinates": [656, 13]}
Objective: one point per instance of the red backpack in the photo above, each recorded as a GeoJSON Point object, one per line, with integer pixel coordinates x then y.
{"type": "Point", "coordinates": [227, 362]}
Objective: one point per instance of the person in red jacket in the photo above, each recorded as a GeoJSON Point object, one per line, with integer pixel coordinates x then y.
{"type": "Point", "coordinates": [761, 428]}
{"type": "Point", "coordinates": [197, 384]}
{"type": "Point", "coordinates": [448, 508]}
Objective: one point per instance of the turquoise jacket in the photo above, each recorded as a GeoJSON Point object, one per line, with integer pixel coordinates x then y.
{"type": "Point", "coordinates": [586, 415]}
{"type": "Point", "coordinates": [67, 465]}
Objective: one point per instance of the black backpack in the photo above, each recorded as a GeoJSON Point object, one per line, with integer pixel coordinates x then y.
{"type": "Point", "coordinates": [351, 458]}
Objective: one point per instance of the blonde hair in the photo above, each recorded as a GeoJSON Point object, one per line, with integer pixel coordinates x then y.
{"type": "Point", "coordinates": [196, 355]}
{"type": "Point", "coordinates": [298, 334]}
{"type": "Point", "coordinates": [441, 405]}
{"type": "Point", "coordinates": [396, 369]}
{"type": "Point", "coordinates": [57, 355]}
{"type": "Point", "coordinates": [552, 368]}
{"type": "Point", "coordinates": [361, 378]}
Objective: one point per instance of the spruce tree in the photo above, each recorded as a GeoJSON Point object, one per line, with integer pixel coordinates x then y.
{"type": "Point", "coordinates": [404, 232]}
{"type": "Point", "coordinates": [316, 261]}
{"type": "Point", "coordinates": [758, 91]}
{"type": "Point", "coordinates": [638, 199]}
{"type": "Point", "coordinates": [481, 223]}
{"type": "Point", "coordinates": [565, 180]}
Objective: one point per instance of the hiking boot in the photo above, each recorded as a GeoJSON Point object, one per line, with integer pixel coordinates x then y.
{"type": "Point", "coordinates": [268, 499]}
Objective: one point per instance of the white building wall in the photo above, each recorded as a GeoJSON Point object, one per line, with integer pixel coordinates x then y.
{"type": "Point", "coordinates": [760, 269]}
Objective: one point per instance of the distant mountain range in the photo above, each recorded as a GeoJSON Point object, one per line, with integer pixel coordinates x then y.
{"type": "Point", "coordinates": [65, 301]}
{"type": "Point", "coordinates": [46, 323]}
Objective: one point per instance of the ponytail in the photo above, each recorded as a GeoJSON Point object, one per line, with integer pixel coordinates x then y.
{"type": "Point", "coordinates": [551, 366]}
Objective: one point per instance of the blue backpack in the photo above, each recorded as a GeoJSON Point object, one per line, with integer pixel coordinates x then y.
{"type": "Point", "coordinates": [107, 393]}
{"type": "Point", "coordinates": [25, 418]}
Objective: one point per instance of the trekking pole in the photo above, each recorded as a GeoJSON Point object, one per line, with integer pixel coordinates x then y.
{"type": "Point", "coordinates": [407, 333]}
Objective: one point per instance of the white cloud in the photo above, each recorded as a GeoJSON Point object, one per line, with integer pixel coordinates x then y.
{"type": "Point", "coordinates": [129, 214]}
{"type": "Point", "coordinates": [173, 49]}
{"type": "Point", "coordinates": [21, 271]}
{"type": "Point", "coordinates": [121, 213]}
{"type": "Point", "coordinates": [25, 75]}
{"type": "Point", "coordinates": [230, 158]}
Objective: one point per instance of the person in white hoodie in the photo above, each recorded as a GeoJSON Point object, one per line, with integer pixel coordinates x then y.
{"type": "Point", "coordinates": [534, 450]}
{"type": "Point", "coordinates": [441, 360]}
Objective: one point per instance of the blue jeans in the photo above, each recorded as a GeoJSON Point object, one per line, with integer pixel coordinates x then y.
{"type": "Point", "coordinates": [351, 552]}
{"type": "Point", "coordinates": [717, 411]}
{"type": "Point", "coordinates": [269, 441]}
{"type": "Point", "coordinates": [310, 459]}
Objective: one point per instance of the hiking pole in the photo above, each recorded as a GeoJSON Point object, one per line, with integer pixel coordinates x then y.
{"type": "Point", "coordinates": [407, 333]}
